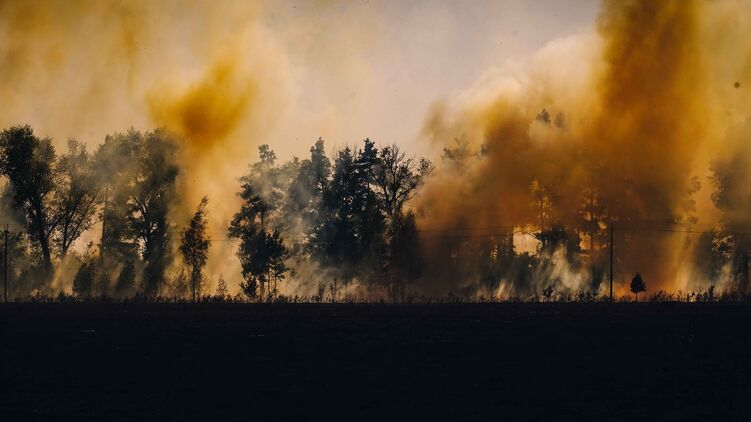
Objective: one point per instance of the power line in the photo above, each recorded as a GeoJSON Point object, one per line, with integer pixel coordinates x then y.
{"type": "Point", "coordinates": [457, 233]}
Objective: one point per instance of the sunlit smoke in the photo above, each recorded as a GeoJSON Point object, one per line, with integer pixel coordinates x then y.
{"type": "Point", "coordinates": [630, 115]}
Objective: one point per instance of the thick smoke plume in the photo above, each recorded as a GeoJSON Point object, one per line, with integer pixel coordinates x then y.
{"type": "Point", "coordinates": [640, 124]}
{"type": "Point", "coordinates": [629, 118]}
{"type": "Point", "coordinates": [84, 69]}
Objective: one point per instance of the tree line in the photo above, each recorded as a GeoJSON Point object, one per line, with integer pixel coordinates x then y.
{"type": "Point", "coordinates": [348, 217]}
{"type": "Point", "coordinates": [338, 218]}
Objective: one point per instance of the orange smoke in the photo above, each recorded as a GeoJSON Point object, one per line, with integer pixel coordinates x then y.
{"type": "Point", "coordinates": [635, 119]}
{"type": "Point", "coordinates": [209, 111]}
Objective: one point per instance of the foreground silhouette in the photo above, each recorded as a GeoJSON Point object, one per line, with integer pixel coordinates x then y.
{"type": "Point", "coordinates": [542, 361]}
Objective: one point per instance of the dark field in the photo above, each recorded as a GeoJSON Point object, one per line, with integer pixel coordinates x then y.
{"type": "Point", "coordinates": [448, 361]}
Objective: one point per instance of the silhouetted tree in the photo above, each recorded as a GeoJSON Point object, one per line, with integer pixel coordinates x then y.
{"type": "Point", "coordinates": [729, 175]}
{"type": "Point", "coordinates": [151, 196]}
{"type": "Point", "coordinates": [350, 222]}
{"type": "Point", "coordinates": [261, 253]}
{"type": "Point", "coordinates": [116, 165]}
{"type": "Point", "coordinates": [396, 177]}
{"type": "Point", "coordinates": [221, 288]}
{"type": "Point", "coordinates": [306, 190]}
{"type": "Point", "coordinates": [711, 253]}
{"type": "Point", "coordinates": [638, 286]}
{"type": "Point", "coordinates": [76, 195]}
{"type": "Point", "coordinates": [276, 254]}
{"type": "Point", "coordinates": [126, 279]}
{"type": "Point", "coordinates": [180, 285]}
{"type": "Point", "coordinates": [547, 293]}
{"type": "Point", "coordinates": [544, 117]}
{"type": "Point", "coordinates": [458, 156]}
{"type": "Point", "coordinates": [27, 161]}
{"type": "Point", "coordinates": [138, 172]}
{"type": "Point", "coordinates": [195, 246]}
{"type": "Point", "coordinates": [405, 261]}
{"type": "Point", "coordinates": [83, 283]}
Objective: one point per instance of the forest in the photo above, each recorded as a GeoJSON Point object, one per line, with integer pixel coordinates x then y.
{"type": "Point", "coordinates": [330, 221]}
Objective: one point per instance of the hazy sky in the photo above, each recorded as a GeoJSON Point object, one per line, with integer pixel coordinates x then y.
{"type": "Point", "coordinates": [370, 68]}
{"type": "Point", "coordinates": [664, 81]}
{"type": "Point", "coordinates": [343, 70]}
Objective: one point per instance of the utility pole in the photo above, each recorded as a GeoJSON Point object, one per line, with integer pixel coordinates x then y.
{"type": "Point", "coordinates": [5, 266]}
{"type": "Point", "coordinates": [104, 222]}
{"type": "Point", "coordinates": [611, 260]}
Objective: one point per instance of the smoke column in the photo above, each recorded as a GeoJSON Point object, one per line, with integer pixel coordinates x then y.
{"type": "Point", "coordinates": [88, 68]}
{"type": "Point", "coordinates": [641, 110]}
{"type": "Point", "coordinates": [648, 100]}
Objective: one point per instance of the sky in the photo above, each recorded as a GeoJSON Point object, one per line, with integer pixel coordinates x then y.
{"type": "Point", "coordinates": [228, 76]}
{"type": "Point", "coordinates": [373, 69]}
{"type": "Point", "coordinates": [341, 70]}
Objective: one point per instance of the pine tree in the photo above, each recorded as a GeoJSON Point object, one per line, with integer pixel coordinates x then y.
{"type": "Point", "coordinates": [221, 288]}
{"type": "Point", "coordinates": [195, 247]}
{"type": "Point", "coordinates": [261, 253]}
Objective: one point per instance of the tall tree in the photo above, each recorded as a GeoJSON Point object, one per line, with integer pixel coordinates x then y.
{"type": "Point", "coordinates": [350, 224]}
{"type": "Point", "coordinates": [267, 178]}
{"type": "Point", "coordinates": [195, 246]}
{"type": "Point", "coordinates": [405, 261]}
{"type": "Point", "coordinates": [729, 175]}
{"type": "Point", "coordinates": [306, 190]}
{"type": "Point", "coordinates": [261, 252]}
{"type": "Point", "coordinates": [151, 197]}
{"type": "Point", "coordinates": [28, 163]}
{"type": "Point", "coordinates": [76, 196]}
{"type": "Point", "coordinates": [139, 171]}
{"type": "Point", "coordinates": [115, 163]}
{"type": "Point", "coordinates": [396, 177]}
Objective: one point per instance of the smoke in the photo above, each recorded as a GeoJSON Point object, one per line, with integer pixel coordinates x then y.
{"type": "Point", "coordinates": [637, 112]}
{"type": "Point", "coordinates": [631, 115]}
{"type": "Point", "coordinates": [85, 69]}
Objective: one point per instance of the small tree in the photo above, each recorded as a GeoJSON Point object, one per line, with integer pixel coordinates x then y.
{"type": "Point", "coordinates": [126, 279]}
{"type": "Point", "coordinates": [83, 283]}
{"type": "Point", "coordinates": [221, 288]}
{"type": "Point", "coordinates": [637, 286]}
{"type": "Point", "coordinates": [548, 293]}
{"type": "Point", "coordinates": [180, 285]}
{"type": "Point", "coordinates": [195, 246]}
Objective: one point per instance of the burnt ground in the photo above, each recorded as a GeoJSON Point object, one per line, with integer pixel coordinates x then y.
{"type": "Point", "coordinates": [362, 362]}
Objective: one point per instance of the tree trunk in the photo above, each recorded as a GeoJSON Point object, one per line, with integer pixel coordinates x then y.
{"type": "Point", "coordinates": [45, 246]}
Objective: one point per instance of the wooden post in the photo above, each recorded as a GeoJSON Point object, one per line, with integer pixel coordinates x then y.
{"type": "Point", "coordinates": [611, 260]}
{"type": "Point", "coordinates": [5, 266]}
{"type": "Point", "coordinates": [104, 223]}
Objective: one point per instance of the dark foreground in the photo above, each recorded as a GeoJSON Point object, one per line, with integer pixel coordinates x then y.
{"type": "Point", "coordinates": [457, 362]}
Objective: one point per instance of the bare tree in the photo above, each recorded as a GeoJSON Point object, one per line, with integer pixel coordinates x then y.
{"type": "Point", "coordinates": [396, 177]}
